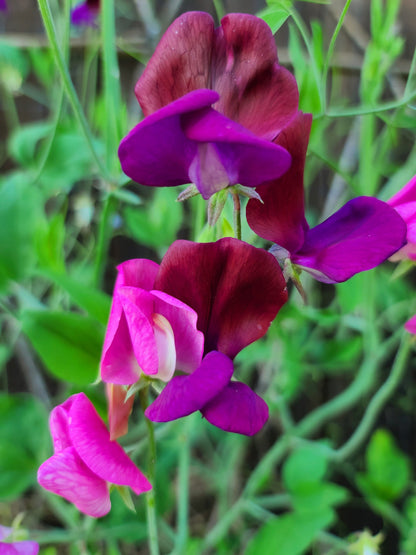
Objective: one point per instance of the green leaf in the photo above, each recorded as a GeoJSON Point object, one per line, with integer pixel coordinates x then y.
{"type": "Point", "coordinates": [274, 16]}
{"type": "Point", "coordinates": [68, 344]}
{"type": "Point", "coordinates": [17, 470]}
{"type": "Point", "coordinates": [305, 467]}
{"type": "Point", "coordinates": [94, 302]}
{"type": "Point", "coordinates": [318, 497]}
{"type": "Point", "coordinates": [20, 213]}
{"type": "Point", "coordinates": [388, 472]}
{"type": "Point", "coordinates": [156, 224]}
{"type": "Point", "coordinates": [24, 141]}
{"type": "Point", "coordinates": [290, 534]}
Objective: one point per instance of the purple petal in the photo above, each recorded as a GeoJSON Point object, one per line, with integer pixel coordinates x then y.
{"type": "Point", "coordinates": [281, 218]}
{"type": "Point", "coordinates": [20, 548]}
{"type": "Point", "coordinates": [86, 13]}
{"type": "Point", "coordinates": [189, 342]}
{"type": "Point", "coordinates": [3, 5]}
{"type": "Point", "coordinates": [237, 409]}
{"type": "Point", "coordinates": [184, 395]}
{"type": "Point", "coordinates": [404, 202]}
{"type": "Point", "coordinates": [104, 457]}
{"type": "Point", "coordinates": [66, 475]}
{"type": "Point", "coordinates": [230, 154]}
{"type": "Point", "coordinates": [360, 236]}
{"type": "Point", "coordinates": [156, 152]}
{"type": "Point", "coordinates": [235, 288]}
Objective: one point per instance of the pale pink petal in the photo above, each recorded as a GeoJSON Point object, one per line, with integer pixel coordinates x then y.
{"type": "Point", "coordinates": [104, 457]}
{"type": "Point", "coordinates": [189, 342]}
{"type": "Point", "coordinates": [66, 475]}
{"type": "Point", "coordinates": [21, 548]}
{"type": "Point", "coordinates": [119, 409]}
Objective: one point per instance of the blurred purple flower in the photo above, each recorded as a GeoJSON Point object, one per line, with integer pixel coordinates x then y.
{"type": "Point", "coordinates": [3, 5]}
{"type": "Point", "coordinates": [214, 99]}
{"type": "Point", "coordinates": [85, 460]}
{"type": "Point", "coordinates": [404, 202]}
{"type": "Point", "coordinates": [358, 237]}
{"type": "Point", "coordinates": [86, 13]}
{"type": "Point", "coordinates": [236, 290]}
{"type": "Point", "coordinates": [15, 547]}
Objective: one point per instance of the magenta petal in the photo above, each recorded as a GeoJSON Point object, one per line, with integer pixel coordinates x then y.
{"type": "Point", "coordinates": [233, 155]}
{"type": "Point", "coordinates": [235, 288]}
{"type": "Point", "coordinates": [118, 362]}
{"type": "Point", "coordinates": [66, 475]}
{"type": "Point", "coordinates": [22, 548]}
{"type": "Point", "coordinates": [104, 457]}
{"type": "Point", "coordinates": [58, 423]}
{"type": "Point", "coordinates": [280, 218]}
{"type": "Point", "coordinates": [189, 342]}
{"type": "Point", "coordinates": [184, 395]}
{"type": "Point", "coordinates": [237, 409]}
{"type": "Point", "coordinates": [360, 236]}
{"type": "Point", "coordinates": [410, 325]}
{"type": "Point", "coordinates": [137, 272]}
{"type": "Point", "coordinates": [156, 152]}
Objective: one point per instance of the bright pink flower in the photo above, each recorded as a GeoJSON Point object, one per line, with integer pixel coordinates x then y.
{"type": "Point", "coordinates": [86, 13]}
{"type": "Point", "coordinates": [236, 290]}
{"type": "Point", "coordinates": [358, 237]}
{"type": "Point", "coordinates": [214, 99]}
{"type": "Point", "coordinates": [11, 547]}
{"type": "Point", "coordinates": [404, 202]}
{"type": "Point", "coordinates": [85, 461]}
{"type": "Point", "coordinates": [410, 325]}
{"type": "Point", "coordinates": [149, 332]}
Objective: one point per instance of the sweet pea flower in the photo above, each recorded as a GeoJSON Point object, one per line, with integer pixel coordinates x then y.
{"type": "Point", "coordinates": [149, 332]}
{"type": "Point", "coordinates": [86, 13]}
{"type": "Point", "coordinates": [10, 547]}
{"type": "Point", "coordinates": [410, 325]}
{"type": "Point", "coordinates": [213, 101]}
{"type": "Point", "coordinates": [404, 202]}
{"type": "Point", "coordinates": [85, 461]}
{"type": "Point", "coordinates": [236, 291]}
{"type": "Point", "coordinates": [358, 237]}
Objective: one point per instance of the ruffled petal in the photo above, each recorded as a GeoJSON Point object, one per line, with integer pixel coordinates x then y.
{"type": "Point", "coordinates": [104, 457]}
{"type": "Point", "coordinates": [189, 342]}
{"type": "Point", "coordinates": [235, 288]}
{"type": "Point", "coordinates": [58, 424]}
{"type": "Point", "coordinates": [230, 154]}
{"type": "Point", "coordinates": [281, 217]}
{"type": "Point", "coordinates": [184, 395]}
{"type": "Point", "coordinates": [237, 409]}
{"type": "Point", "coordinates": [118, 362]}
{"type": "Point", "coordinates": [156, 152]}
{"type": "Point", "coordinates": [360, 236]}
{"type": "Point", "coordinates": [180, 64]}
{"type": "Point", "coordinates": [254, 90]}
{"type": "Point", "coordinates": [137, 272]}
{"type": "Point", "coordinates": [66, 475]}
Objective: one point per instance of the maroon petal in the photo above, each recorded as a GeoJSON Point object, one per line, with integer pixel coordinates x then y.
{"type": "Point", "coordinates": [360, 236]}
{"type": "Point", "coordinates": [184, 395]}
{"type": "Point", "coordinates": [156, 152]}
{"type": "Point", "coordinates": [235, 289]}
{"type": "Point", "coordinates": [254, 90]}
{"type": "Point", "coordinates": [180, 64]}
{"type": "Point", "coordinates": [281, 218]}
{"type": "Point", "coordinates": [237, 409]}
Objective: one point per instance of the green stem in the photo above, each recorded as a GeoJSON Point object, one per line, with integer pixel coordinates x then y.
{"type": "Point", "coordinates": [104, 237]}
{"type": "Point", "coordinates": [237, 214]}
{"type": "Point", "coordinates": [331, 51]}
{"type": "Point", "coordinates": [68, 85]}
{"type": "Point", "coordinates": [219, 9]}
{"type": "Point", "coordinates": [183, 490]}
{"type": "Point", "coordinates": [376, 404]}
{"type": "Point", "coordinates": [150, 495]}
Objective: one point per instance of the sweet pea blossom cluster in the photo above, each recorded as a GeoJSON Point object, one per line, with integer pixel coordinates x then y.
{"type": "Point", "coordinates": [220, 113]}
